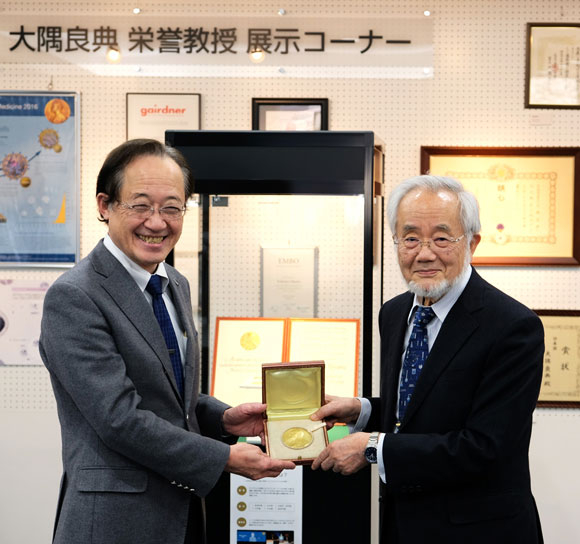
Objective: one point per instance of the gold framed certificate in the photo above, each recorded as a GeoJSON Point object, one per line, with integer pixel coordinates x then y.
{"type": "Point", "coordinates": [528, 200]}
{"type": "Point", "coordinates": [561, 376]}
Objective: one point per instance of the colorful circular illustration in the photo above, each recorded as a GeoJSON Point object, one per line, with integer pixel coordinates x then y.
{"type": "Point", "coordinates": [14, 165]}
{"type": "Point", "coordinates": [48, 138]}
{"type": "Point", "coordinates": [57, 111]}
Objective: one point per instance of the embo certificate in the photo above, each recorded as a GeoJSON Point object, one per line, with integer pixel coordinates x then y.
{"type": "Point", "coordinates": [526, 203]}
{"type": "Point", "coordinates": [289, 282]}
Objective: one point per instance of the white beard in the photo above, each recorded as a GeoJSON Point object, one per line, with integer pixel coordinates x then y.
{"type": "Point", "coordinates": [435, 292]}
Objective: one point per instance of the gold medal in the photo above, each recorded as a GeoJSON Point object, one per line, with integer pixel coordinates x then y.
{"type": "Point", "coordinates": [297, 438]}
{"type": "Point", "coordinates": [250, 340]}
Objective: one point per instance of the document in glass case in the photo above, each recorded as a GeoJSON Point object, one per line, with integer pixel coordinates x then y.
{"type": "Point", "coordinates": [242, 345]}
{"type": "Point", "coordinates": [289, 282]}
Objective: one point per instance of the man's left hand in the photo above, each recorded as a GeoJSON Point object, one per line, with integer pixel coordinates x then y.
{"type": "Point", "coordinates": [245, 420]}
{"type": "Point", "coordinates": [346, 455]}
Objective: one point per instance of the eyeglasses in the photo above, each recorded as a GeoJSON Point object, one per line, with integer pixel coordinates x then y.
{"type": "Point", "coordinates": [144, 211]}
{"type": "Point", "coordinates": [434, 244]}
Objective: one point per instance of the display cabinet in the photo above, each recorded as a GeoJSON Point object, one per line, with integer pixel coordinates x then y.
{"type": "Point", "coordinates": [290, 230]}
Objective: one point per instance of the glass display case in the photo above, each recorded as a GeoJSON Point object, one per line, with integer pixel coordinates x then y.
{"type": "Point", "coordinates": [290, 262]}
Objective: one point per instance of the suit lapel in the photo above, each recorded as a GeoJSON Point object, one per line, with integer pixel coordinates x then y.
{"type": "Point", "coordinates": [456, 330]}
{"type": "Point", "coordinates": [126, 294]}
{"type": "Point", "coordinates": [393, 327]}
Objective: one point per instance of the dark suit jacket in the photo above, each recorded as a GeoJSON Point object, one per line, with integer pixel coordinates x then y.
{"type": "Point", "coordinates": [134, 452]}
{"type": "Point", "coordinates": [457, 472]}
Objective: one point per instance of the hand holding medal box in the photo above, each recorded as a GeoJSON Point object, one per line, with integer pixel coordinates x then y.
{"type": "Point", "coordinates": [292, 392]}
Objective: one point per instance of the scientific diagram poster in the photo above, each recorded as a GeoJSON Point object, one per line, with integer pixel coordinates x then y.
{"type": "Point", "coordinates": [39, 179]}
{"type": "Point", "coordinates": [20, 314]}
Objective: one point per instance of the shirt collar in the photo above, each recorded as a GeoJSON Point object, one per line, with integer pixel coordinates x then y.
{"type": "Point", "coordinates": [443, 306]}
{"type": "Point", "coordinates": [140, 275]}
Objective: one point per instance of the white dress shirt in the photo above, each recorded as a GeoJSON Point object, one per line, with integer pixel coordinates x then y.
{"type": "Point", "coordinates": [142, 277]}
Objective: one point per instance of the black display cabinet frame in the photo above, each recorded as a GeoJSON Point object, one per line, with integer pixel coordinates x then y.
{"type": "Point", "coordinates": [290, 163]}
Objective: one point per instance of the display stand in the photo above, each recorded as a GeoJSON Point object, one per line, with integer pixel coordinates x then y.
{"type": "Point", "coordinates": [229, 166]}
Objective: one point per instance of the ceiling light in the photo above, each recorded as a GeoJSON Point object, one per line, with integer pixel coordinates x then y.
{"type": "Point", "coordinates": [113, 54]}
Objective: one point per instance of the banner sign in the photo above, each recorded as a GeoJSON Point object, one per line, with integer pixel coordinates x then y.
{"type": "Point", "coordinates": [299, 46]}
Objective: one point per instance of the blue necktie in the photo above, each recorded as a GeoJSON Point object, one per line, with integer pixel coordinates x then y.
{"type": "Point", "coordinates": [415, 356]}
{"type": "Point", "coordinates": [155, 289]}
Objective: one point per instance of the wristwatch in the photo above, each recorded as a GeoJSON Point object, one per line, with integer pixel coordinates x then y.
{"type": "Point", "coordinates": [371, 449]}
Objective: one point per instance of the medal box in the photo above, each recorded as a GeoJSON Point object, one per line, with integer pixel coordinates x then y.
{"type": "Point", "coordinates": [292, 392]}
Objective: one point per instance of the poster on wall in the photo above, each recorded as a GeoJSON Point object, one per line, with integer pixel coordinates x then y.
{"type": "Point", "coordinates": [39, 179]}
{"type": "Point", "coordinates": [20, 313]}
{"type": "Point", "coordinates": [149, 115]}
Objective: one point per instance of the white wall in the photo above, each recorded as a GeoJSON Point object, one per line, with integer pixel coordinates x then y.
{"type": "Point", "coordinates": [475, 99]}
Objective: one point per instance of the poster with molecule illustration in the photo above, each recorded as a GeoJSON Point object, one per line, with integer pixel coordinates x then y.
{"type": "Point", "coordinates": [39, 179]}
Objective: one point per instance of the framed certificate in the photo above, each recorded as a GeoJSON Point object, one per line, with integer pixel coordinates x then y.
{"type": "Point", "coordinates": [528, 198]}
{"type": "Point", "coordinates": [553, 65]}
{"type": "Point", "coordinates": [561, 376]}
{"type": "Point", "coordinates": [289, 113]}
{"type": "Point", "coordinates": [289, 278]}
{"type": "Point", "coordinates": [244, 344]}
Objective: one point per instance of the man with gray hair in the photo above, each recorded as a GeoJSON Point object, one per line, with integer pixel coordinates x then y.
{"type": "Point", "coordinates": [461, 368]}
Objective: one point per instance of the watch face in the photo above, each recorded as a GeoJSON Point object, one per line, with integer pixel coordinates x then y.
{"type": "Point", "coordinates": [371, 455]}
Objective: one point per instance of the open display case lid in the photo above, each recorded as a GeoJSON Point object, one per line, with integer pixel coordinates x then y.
{"type": "Point", "coordinates": [292, 390]}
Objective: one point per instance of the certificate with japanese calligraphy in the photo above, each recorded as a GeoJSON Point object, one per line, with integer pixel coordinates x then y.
{"type": "Point", "coordinates": [561, 377]}
{"type": "Point", "coordinates": [526, 205]}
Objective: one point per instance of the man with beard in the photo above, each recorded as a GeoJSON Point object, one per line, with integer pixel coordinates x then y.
{"type": "Point", "coordinates": [461, 367]}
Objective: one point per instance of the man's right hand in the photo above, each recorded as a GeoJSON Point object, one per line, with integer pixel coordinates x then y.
{"type": "Point", "coordinates": [250, 461]}
{"type": "Point", "coordinates": [338, 410]}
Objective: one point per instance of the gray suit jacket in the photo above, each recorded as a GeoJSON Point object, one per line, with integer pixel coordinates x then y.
{"type": "Point", "coordinates": [134, 452]}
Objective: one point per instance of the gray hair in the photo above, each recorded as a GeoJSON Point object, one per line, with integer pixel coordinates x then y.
{"type": "Point", "coordinates": [468, 207]}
